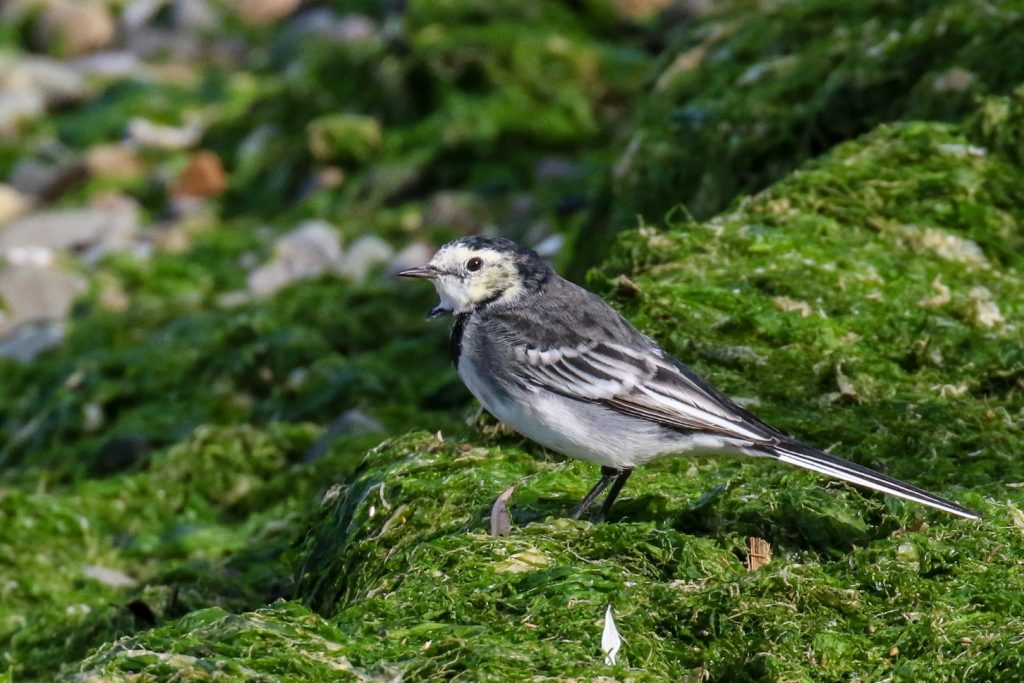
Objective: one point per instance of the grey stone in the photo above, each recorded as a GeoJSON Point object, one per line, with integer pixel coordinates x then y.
{"type": "Point", "coordinates": [350, 423]}
{"type": "Point", "coordinates": [365, 253]}
{"type": "Point", "coordinates": [47, 179]}
{"type": "Point", "coordinates": [28, 341]}
{"type": "Point", "coordinates": [49, 79]}
{"type": "Point", "coordinates": [325, 24]}
{"type": "Point", "coordinates": [16, 107]}
{"type": "Point", "coordinates": [556, 169]}
{"type": "Point", "coordinates": [115, 578]}
{"type": "Point", "coordinates": [550, 246]}
{"type": "Point", "coordinates": [111, 64]}
{"type": "Point", "coordinates": [120, 453]}
{"type": "Point", "coordinates": [311, 250]}
{"type": "Point", "coordinates": [93, 231]}
{"type": "Point", "coordinates": [195, 15]}
{"type": "Point", "coordinates": [138, 13]}
{"type": "Point", "coordinates": [453, 209]}
{"type": "Point", "coordinates": [31, 295]}
{"type": "Point", "coordinates": [414, 254]}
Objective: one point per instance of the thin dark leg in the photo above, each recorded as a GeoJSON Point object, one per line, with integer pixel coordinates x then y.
{"type": "Point", "coordinates": [613, 492]}
{"type": "Point", "coordinates": [607, 475]}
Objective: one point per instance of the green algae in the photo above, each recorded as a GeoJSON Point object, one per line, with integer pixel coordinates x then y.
{"type": "Point", "coordinates": [402, 562]}
{"type": "Point", "coordinates": [344, 138]}
{"type": "Point", "coordinates": [213, 644]}
{"type": "Point", "coordinates": [844, 303]}
{"type": "Point", "coordinates": [139, 447]}
{"type": "Point", "coordinates": [310, 354]}
{"type": "Point", "coordinates": [192, 530]}
{"type": "Point", "coordinates": [754, 88]}
{"type": "Point", "coordinates": [869, 303]}
{"type": "Point", "coordinates": [457, 88]}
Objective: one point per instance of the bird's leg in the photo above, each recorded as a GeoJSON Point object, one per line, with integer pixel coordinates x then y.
{"type": "Point", "coordinates": [613, 492]}
{"type": "Point", "coordinates": [607, 475]}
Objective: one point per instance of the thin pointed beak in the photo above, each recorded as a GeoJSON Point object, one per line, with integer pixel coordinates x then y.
{"type": "Point", "coordinates": [427, 271]}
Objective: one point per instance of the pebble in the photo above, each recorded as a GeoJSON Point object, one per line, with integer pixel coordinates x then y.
{"type": "Point", "coordinates": [264, 11]}
{"type": "Point", "coordinates": [195, 16]}
{"type": "Point", "coordinates": [114, 578]}
{"type": "Point", "coordinates": [12, 204]}
{"type": "Point", "coordinates": [54, 82]}
{"type": "Point", "coordinates": [311, 250]}
{"type": "Point", "coordinates": [452, 209]}
{"type": "Point", "coordinates": [111, 64]}
{"type": "Point", "coordinates": [148, 134]}
{"type": "Point", "coordinates": [113, 160]}
{"type": "Point", "coordinates": [414, 254]}
{"type": "Point", "coordinates": [204, 176]}
{"type": "Point", "coordinates": [47, 179]}
{"type": "Point", "coordinates": [325, 24]}
{"type": "Point", "coordinates": [365, 253]}
{"type": "Point", "coordinates": [76, 27]}
{"type": "Point", "coordinates": [94, 230]}
{"type": "Point", "coordinates": [37, 295]}
{"type": "Point", "coordinates": [17, 107]}
{"type": "Point", "coordinates": [31, 85]}
{"type": "Point", "coordinates": [27, 341]}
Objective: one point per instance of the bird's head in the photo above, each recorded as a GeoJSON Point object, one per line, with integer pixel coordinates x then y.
{"type": "Point", "coordinates": [473, 272]}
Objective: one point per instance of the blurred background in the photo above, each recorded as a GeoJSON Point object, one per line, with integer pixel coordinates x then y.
{"type": "Point", "coordinates": [204, 202]}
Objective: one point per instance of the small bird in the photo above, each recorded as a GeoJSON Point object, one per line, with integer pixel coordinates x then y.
{"type": "Point", "coordinates": [562, 367]}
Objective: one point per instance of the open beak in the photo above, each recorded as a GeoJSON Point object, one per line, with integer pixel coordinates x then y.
{"type": "Point", "coordinates": [427, 271]}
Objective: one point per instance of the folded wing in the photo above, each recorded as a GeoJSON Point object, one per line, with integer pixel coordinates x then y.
{"type": "Point", "coordinates": [644, 383]}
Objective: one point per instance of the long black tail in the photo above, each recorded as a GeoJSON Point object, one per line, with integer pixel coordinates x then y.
{"type": "Point", "coordinates": [818, 461]}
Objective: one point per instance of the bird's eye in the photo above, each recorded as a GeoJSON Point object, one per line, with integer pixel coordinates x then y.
{"type": "Point", "coordinates": [474, 264]}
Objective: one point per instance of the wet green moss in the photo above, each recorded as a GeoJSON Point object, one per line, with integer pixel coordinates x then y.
{"type": "Point", "coordinates": [213, 644]}
{"type": "Point", "coordinates": [845, 303]}
{"type": "Point", "coordinates": [402, 562]}
{"type": "Point", "coordinates": [748, 92]}
{"type": "Point", "coordinates": [193, 529]}
{"type": "Point", "coordinates": [467, 95]}
{"type": "Point", "coordinates": [311, 353]}
{"type": "Point", "coordinates": [871, 301]}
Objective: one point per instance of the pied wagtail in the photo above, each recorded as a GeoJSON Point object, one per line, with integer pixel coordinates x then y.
{"type": "Point", "coordinates": [562, 367]}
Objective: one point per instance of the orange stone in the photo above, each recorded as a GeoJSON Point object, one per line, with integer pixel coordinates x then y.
{"type": "Point", "coordinates": [204, 176]}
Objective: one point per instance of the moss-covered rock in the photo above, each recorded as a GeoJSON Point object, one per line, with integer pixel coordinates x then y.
{"type": "Point", "coordinates": [160, 475]}
{"type": "Point", "coordinates": [749, 91]}
{"type": "Point", "coordinates": [208, 522]}
{"type": "Point", "coordinates": [869, 303]}
{"type": "Point", "coordinates": [283, 641]}
{"type": "Point", "coordinates": [344, 138]}
{"type": "Point", "coordinates": [402, 561]}
{"type": "Point", "coordinates": [146, 469]}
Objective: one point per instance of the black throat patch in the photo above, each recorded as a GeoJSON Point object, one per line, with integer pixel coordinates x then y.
{"type": "Point", "coordinates": [455, 342]}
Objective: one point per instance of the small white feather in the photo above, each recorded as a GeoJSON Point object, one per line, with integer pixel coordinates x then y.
{"type": "Point", "coordinates": [610, 639]}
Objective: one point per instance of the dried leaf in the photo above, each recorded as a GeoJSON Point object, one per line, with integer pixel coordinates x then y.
{"type": "Point", "coordinates": [501, 520]}
{"type": "Point", "coordinates": [759, 553]}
